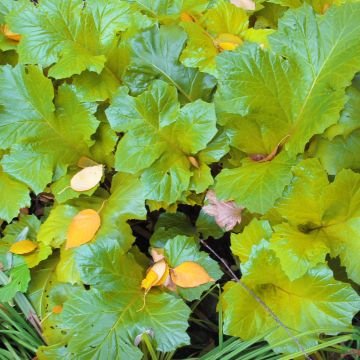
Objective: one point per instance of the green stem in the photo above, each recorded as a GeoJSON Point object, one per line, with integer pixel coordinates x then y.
{"type": "Point", "coordinates": [149, 346]}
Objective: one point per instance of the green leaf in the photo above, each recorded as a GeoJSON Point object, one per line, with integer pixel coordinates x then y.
{"type": "Point", "coordinates": [255, 185]}
{"type": "Point", "coordinates": [14, 196]}
{"type": "Point", "coordinates": [223, 18]}
{"type": "Point", "coordinates": [308, 184]}
{"type": "Point", "coordinates": [341, 220]}
{"type": "Point", "coordinates": [66, 269]}
{"type": "Point", "coordinates": [165, 10]}
{"type": "Point", "coordinates": [54, 230]}
{"type": "Point", "coordinates": [18, 277]}
{"type": "Point", "coordinates": [349, 120]}
{"type": "Point", "coordinates": [104, 321]}
{"type": "Point", "coordinates": [59, 135]}
{"type": "Point", "coordinates": [292, 246]}
{"type": "Point", "coordinates": [57, 32]}
{"type": "Point", "coordinates": [153, 122]}
{"type": "Point", "coordinates": [26, 228]}
{"type": "Point", "coordinates": [314, 301]}
{"type": "Point", "coordinates": [42, 279]}
{"type": "Point", "coordinates": [207, 227]}
{"type": "Point", "coordinates": [242, 243]}
{"type": "Point", "coordinates": [278, 97]}
{"type": "Point", "coordinates": [25, 164]}
{"type": "Point", "coordinates": [183, 248]}
{"type": "Point", "coordinates": [126, 202]}
{"type": "Point", "coordinates": [155, 54]}
{"type": "Point", "coordinates": [338, 153]}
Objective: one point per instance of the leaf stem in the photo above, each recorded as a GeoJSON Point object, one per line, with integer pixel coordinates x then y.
{"type": "Point", "coordinates": [149, 346]}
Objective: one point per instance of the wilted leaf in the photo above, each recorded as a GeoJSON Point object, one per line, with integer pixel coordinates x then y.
{"type": "Point", "coordinates": [156, 275]}
{"type": "Point", "coordinates": [226, 213]}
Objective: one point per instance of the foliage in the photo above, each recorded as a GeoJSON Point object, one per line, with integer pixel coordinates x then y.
{"type": "Point", "coordinates": [135, 133]}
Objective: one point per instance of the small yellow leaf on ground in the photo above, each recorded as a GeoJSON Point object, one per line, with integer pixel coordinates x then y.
{"type": "Point", "coordinates": [190, 274]}
{"type": "Point", "coordinates": [82, 228]}
{"type": "Point", "coordinates": [23, 247]}
{"type": "Point", "coordinates": [9, 34]}
{"type": "Point", "coordinates": [156, 275]}
{"type": "Point", "coordinates": [87, 178]}
{"type": "Point", "coordinates": [57, 309]}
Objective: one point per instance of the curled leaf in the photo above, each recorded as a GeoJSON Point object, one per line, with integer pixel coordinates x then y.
{"type": "Point", "coordinates": [9, 34]}
{"type": "Point", "coordinates": [157, 254]}
{"type": "Point", "coordinates": [190, 274]}
{"type": "Point", "coordinates": [227, 214]}
{"type": "Point", "coordinates": [156, 275]}
{"type": "Point", "coordinates": [193, 161]}
{"type": "Point", "coordinates": [23, 247]}
{"type": "Point", "coordinates": [87, 178]}
{"type": "Point", "coordinates": [83, 228]}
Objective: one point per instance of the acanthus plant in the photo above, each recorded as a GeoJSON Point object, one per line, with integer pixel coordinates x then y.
{"type": "Point", "coordinates": [185, 121]}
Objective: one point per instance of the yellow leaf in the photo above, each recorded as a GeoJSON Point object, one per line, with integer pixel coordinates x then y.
{"type": "Point", "coordinates": [189, 274]}
{"type": "Point", "coordinates": [87, 178]}
{"type": "Point", "coordinates": [23, 247]}
{"type": "Point", "coordinates": [82, 228]}
{"type": "Point", "coordinates": [9, 34]}
{"type": "Point", "coordinates": [156, 275]}
{"type": "Point", "coordinates": [186, 17]}
{"type": "Point", "coordinates": [227, 41]}
{"type": "Point", "coordinates": [57, 309]}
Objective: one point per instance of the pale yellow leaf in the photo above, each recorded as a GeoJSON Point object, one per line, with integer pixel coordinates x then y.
{"type": "Point", "coordinates": [87, 178]}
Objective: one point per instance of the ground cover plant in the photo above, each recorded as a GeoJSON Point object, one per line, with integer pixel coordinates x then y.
{"type": "Point", "coordinates": [179, 179]}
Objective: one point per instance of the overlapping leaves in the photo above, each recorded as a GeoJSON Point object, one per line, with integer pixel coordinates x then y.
{"type": "Point", "coordinates": [180, 103]}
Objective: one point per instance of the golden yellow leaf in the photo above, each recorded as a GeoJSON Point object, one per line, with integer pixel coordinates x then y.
{"type": "Point", "coordinates": [189, 274]}
{"type": "Point", "coordinates": [82, 228]}
{"type": "Point", "coordinates": [57, 309]}
{"type": "Point", "coordinates": [9, 34]}
{"type": "Point", "coordinates": [227, 41]}
{"type": "Point", "coordinates": [87, 178]}
{"type": "Point", "coordinates": [156, 275]}
{"type": "Point", "coordinates": [186, 17]}
{"type": "Point", "coordinates": [23, 247]}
